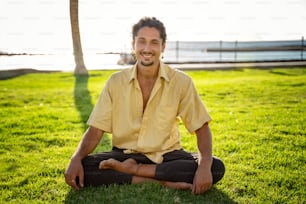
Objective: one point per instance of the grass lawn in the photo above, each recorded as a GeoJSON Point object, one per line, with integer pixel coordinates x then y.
{"type": "Point", "coordinates": [259, 131]}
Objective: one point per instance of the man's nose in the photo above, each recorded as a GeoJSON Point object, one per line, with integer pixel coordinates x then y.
{"type": "Point", "coordinates": [147, 47]}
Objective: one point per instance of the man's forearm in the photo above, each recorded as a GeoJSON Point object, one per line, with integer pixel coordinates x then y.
{"type": "Point", "coordinates": [203, 177]}
{"type": "Point", "coordinates": [88, 143]}
{"type": "Point", "coordinates": [204, 141]}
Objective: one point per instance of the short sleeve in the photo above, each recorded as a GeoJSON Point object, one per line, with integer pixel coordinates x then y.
{"type": "Point", "coordinates": [101, 116]}
{"type": "Point", "coordinates": [191, 108]}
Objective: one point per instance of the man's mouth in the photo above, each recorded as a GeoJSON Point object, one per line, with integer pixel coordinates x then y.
{"type": "Point", "coordinates": [147, 54]}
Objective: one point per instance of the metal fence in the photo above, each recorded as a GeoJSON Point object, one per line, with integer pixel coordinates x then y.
{"type": "Point", "coordinates": [234, 51]}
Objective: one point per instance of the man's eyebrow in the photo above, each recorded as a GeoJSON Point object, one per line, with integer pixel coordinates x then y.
{"type": "Point", "coordinates": [140, 38]}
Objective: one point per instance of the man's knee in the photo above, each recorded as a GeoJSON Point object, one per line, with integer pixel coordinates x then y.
{"type": "Point", "coordinates": [217, 169]}
{"type": "Point", "coordinates": [176, 171]}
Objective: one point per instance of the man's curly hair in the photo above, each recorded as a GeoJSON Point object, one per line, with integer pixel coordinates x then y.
{"type": "Point", "coordinates": [151, 22]}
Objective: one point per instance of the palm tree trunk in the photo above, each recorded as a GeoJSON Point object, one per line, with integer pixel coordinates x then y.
{"type": "Point", "coordinates": [80, 68]}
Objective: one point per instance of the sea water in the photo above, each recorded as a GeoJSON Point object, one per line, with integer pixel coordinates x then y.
{"type": "Point", "coordinates": [176, 52]}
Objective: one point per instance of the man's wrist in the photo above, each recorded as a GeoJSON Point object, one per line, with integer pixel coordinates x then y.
{"type": "Point", "coordinates": [76, 157]}
{"type": "Point", "coordinates": [205, 162]}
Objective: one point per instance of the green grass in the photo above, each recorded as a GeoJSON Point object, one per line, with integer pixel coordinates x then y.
{"type": "Point", "coordinates": [259, 131]}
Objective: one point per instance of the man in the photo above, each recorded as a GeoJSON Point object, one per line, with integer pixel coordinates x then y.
{"type": "Point", "coordinates": [140, 106]}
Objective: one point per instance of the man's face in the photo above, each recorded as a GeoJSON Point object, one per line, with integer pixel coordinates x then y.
{"type": "Point", "coordinates": [148, 46]}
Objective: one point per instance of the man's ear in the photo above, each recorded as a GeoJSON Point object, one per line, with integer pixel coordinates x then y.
{"type": "Point", "coordinates": [133, 45]}
{"type": "Point", "coordinates": [163, 47]}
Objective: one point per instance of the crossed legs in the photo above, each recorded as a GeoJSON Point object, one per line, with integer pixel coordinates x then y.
{"type": "Point", "coordinates": [115, 167]}
{"type": "Point", "coordinates": [141, 172]}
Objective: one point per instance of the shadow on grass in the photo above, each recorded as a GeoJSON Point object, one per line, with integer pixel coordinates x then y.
{"type": "Point", "coordinates": [144, 193]}
{"type": "Point", "coordinates": [82, 98]}
{"type": "Point", "coordinates": [283, 73]}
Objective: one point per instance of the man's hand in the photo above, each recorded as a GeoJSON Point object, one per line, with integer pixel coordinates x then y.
{"type": "Point", "coordinates": [74, 170]}
{"type": "Point", "coordinates": [202, 180]}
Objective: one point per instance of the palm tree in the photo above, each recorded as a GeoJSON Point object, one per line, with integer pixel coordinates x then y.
{"type": "Point", "coordinates": [80, 68]}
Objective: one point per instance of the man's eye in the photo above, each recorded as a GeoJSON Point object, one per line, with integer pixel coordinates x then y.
{"type": "Point", "coordinates": [141, 41]}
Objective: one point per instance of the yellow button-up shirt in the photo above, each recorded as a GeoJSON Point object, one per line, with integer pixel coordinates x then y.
{"type": "Point", "coordinates": [155, 130]}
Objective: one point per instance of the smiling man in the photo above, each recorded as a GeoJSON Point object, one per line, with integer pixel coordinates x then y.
{"type": "Point", "coordinates": [141, 108]}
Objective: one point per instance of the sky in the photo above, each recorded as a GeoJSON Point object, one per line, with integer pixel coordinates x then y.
{"type": "Point", "coordinates": [44, 26]}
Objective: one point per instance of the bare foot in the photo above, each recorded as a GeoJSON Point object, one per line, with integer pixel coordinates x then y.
{"type": "Point", "coordinates": [128, 166]}
{"type": "Point", "coordinates": [177, 185]}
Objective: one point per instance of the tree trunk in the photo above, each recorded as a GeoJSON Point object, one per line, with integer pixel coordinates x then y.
{"type": "Point", "coordinates": [80, 68]}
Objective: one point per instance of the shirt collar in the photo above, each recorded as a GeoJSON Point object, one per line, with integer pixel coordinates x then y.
{"type": "Point", "coordinates": [162, 73]}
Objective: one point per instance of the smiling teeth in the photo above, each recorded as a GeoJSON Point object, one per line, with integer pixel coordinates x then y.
{"type": "Point", "coordinates": [148, 55]}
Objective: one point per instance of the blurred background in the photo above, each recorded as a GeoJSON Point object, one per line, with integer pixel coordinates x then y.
{"type": "Point", "coordinates": [198, 31]}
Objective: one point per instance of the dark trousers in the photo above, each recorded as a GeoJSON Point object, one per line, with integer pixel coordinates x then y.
{"type": "Point", "coordinates": [177, 166]}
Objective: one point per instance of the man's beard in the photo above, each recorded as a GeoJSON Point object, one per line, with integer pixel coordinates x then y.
{"type": "Point", "coordinates": [147, 65]}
